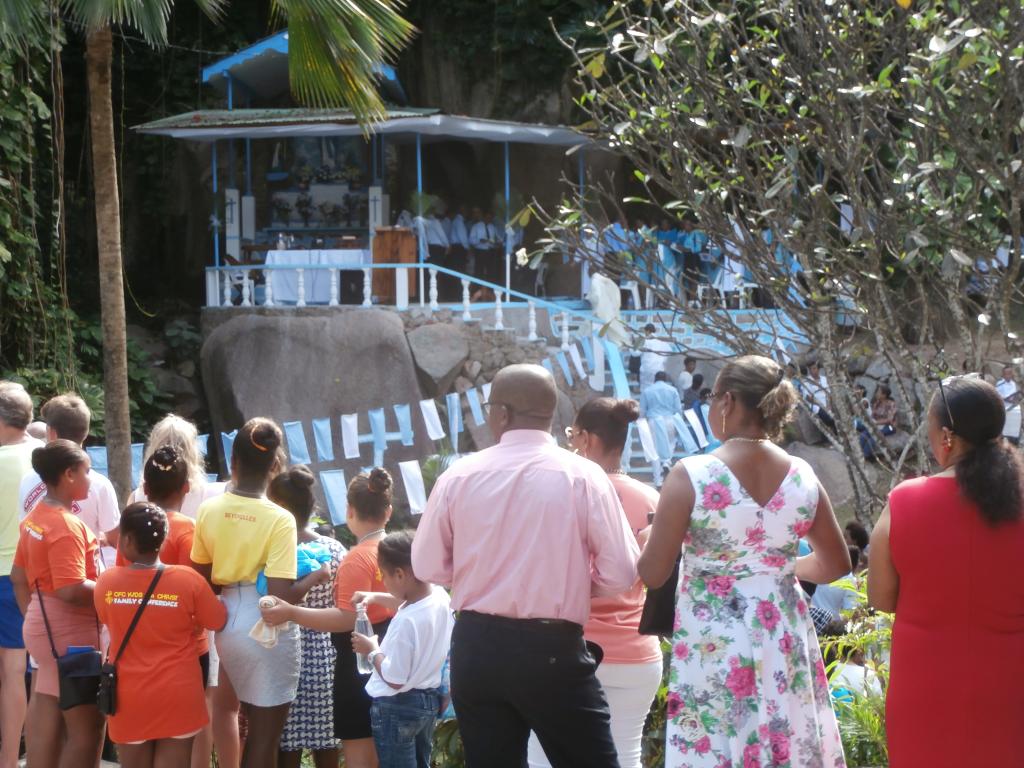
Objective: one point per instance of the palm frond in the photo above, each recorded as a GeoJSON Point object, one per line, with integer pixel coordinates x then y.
{"type": "Point", "coordinates": [146, 17]}
{"type": "Point", "coordinates": [18, 18]}
{"type": "Point", "coordinates": [333, 46]}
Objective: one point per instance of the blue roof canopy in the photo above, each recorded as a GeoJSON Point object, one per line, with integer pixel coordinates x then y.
{"type": "Point", "coordinates": [262, 68]}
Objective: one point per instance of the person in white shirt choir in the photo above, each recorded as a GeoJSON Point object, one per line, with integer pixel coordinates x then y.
{"type": "Point", "coordinates": [1008, 390]}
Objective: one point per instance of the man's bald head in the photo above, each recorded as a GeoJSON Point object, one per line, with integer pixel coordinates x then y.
{"type": "Point", "coordinates": [528, 392]}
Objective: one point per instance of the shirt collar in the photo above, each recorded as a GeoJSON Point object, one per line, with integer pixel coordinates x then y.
{"type": "Point", "coordinates": [526, 437]}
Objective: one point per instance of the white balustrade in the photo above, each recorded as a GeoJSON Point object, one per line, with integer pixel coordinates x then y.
{"type": "Point", "coordinates": [433, 291]}
{"type": "Point", "coordinates": [367, 288]}
{"type": "Point", "coordinates": [532, 318]}
{"type": "Point", "coordinates": [301, 287]}
{"type": "Point", "coordinates": [333, 301]}
{"type": "Point", "coordinates": [466, 316]}
{"type": "Point", "coordinates": [246, 291]}
{"type": "Point", "coordinates": [499, 320]}
{"type": "Point", "coordinates": [565, 330]}
{"type": "Point", "coordinates": [268, 282]}
{"type": "Point", "coordinates": [227, 288]}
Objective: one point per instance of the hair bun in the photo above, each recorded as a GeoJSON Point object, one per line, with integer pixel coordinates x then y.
{"type": "Point", "coordinates": [265, 437]}
{"type": "Point", "coordinates": [379, 480]}
{"type": "Point", "coordinates": [302, 476]}
{"type": "Point", "coordinates": [777, 407]}
{"type": "Point", "coordinates": [626, 411]}
{"type": "Point", "coordinates": [165, 457]}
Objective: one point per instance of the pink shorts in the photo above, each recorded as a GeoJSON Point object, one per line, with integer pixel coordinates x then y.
{"type": "Point", "coordinates": [71, 625]}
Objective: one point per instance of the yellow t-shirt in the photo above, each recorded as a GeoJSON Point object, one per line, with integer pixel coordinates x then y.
{"type": "Point", "coordinates": [15, 463]}
{"type": "Point", "coordinates": [240, 536]}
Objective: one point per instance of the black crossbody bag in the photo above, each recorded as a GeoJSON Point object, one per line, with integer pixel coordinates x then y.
{"type": "Point", "coordinates": [107, 695]}
{"type": "Point", "coordinates": [77, 673]}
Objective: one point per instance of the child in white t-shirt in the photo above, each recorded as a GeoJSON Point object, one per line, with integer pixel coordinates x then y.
{"type": "Point", "coordinates": [407, 677]}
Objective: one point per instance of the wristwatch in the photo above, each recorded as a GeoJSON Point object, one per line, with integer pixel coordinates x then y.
{"type": "Point", "coordinates": [372, 655]}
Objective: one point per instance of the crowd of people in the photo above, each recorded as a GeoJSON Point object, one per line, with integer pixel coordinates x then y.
{"type": "Point", "coordinates": [213, 617]}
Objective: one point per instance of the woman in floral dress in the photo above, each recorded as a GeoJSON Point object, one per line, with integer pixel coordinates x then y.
{"type": "Point", "coordinates": [747, 687]}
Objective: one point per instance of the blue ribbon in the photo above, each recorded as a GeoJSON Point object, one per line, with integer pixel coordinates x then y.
{"type": "Point", "coordinates": [685, 434]}
{"type": "Point", "coordinates": [546, 362]}
{"type": "Point", "coordinates": [137, 452]}
{"type": "Point", "coordinates": [98, 457]}
{"type": "Point", "coordinates": [454, 418]}
{"type": "Point", "coordinates": [323, 439]}
{"type": "Point", "coordinates": [588, 353]}
{"type": "Point", "coordinates": [563, 362]}
{"type": "Point", "coordinates": [336, 493]}
{"type": "Point", "coordinates": [227, 439]}
{"type": "Point", "coordinates": [404, 416]}
{"type": "Point", "coordinates": [380, 434]}
{"type": "Point", "coordinates": [296, 437]}
{"type": "Point", "coordinates": [474, 406]}
{"type": "Point", "coordinates": [202, 444]}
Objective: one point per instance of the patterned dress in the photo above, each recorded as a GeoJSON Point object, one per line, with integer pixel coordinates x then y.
{"type": "Point", "coordinates": [747, 687]}
{"type": "Point", "coordinates": [310, 722]}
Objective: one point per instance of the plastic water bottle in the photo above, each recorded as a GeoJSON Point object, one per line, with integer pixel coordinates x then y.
{"type": "Point", "coordinates": [363, 627]}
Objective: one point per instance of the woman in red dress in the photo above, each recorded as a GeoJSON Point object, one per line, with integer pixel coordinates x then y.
{"type": "Point", "coordinates": [946, 557]}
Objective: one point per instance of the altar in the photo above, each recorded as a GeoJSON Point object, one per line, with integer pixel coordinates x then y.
{"type": "Point", "coordinates": [315, 273]}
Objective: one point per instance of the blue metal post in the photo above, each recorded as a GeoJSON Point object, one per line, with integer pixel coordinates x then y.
{"type": "Point", "coordinates": [231, 90]}
{"type": "Point", "coordinates": [215, 221]}
{"type": "Point", "coordinates": [507, 223]}
{"type": "Point", "coordinates": [419, 204]}
{"type": "Point", "coordinates": [583, 197]}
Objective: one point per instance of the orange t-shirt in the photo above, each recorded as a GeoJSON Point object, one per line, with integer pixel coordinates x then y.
{"type": "Point", "coordinates": [359, 572]}
{"type": "Point", "coordinates": [177, 545]}
{"type": "Point", "coordinates": [159, 682]}
{"type": "Point", "coordinates": [56, 549]}
{"type": "Point", "coordinates": [614, 621]}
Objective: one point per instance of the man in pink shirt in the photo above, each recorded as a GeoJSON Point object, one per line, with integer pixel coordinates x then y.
{"type": "Point", "coordinates": [525, 533]}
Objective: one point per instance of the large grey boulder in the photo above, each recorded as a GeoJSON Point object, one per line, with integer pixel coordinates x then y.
{"type": "Point", "coordinates": [294, 367]}
{"type": "Point", "coordinates": [438, 350]}
{"type": "Point", "coordinates": [830, 467]}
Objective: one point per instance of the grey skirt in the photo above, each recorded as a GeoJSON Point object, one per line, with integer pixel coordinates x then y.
{"type": "Point", "coordinates": [262, 677]}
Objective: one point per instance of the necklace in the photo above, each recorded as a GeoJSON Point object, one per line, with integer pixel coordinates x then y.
{"type": "Point", "coordinates": [616, 471]}
{"type": "Point", "coordinates": [742, 439]}
{"type": "Point", "coordinates": [361, 539]}
{"type": "Point", "coordinates": [144, 566]}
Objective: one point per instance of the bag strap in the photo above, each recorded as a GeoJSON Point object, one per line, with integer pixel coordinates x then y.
{"type": "Point", "coordinates": [46, 621]}
{"type": "Point", "coordinates": [138, 612]}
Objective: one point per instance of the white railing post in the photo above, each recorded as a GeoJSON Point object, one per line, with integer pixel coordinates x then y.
{"type": "Point", "coordinates": [402, 288]}
{"type": "Point", "coordinates": [212, 288]}
{"type": "Point", "coordinates": [227, 288]}
{"type": "Point", "coordinates": [268, 284]}
{"type": "Point", "coordinates": [565, 330]}
{"type": "Point", "coordinates": [333, 301]}
{"type": "Point", "coordinates": [433, 290]}
{"type": "Point", "coordinates": [532, 336]}
{"type": "Point", "coordinates": [301, 287]}
{"type": "Point", "coordinates": [465, 301]}
{"type": "Point", "coordinates": [499, 320]}
{"type": "Point", "coordinates": [246, 291]}
{"type": "Point", "coordinates": [367, 288]}
{"type": "Point", "coordinates": [423, 293]}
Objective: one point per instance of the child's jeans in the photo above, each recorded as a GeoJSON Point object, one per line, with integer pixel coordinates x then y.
{"type": "Point", "coordinates": [403, 727]}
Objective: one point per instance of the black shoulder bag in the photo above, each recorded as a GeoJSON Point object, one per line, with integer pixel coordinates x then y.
{"type": "Point", "coordinates": [107, 695]}
{"type": "Point", "coordinates": [659, 614]}
{"type": "Point", "coordinates": [77, 673]}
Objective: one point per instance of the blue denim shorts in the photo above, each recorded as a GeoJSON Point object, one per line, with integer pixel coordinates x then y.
{"type": "Point", "coordinates": [10, 616]}
{"type": "Point", "coordinates": [403, 727]}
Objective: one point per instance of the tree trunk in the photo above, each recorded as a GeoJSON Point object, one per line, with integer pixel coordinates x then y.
{"type": "Point", "coordinates": [98, 55]}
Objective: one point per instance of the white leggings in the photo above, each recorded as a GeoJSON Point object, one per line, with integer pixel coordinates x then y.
{"type": "Point", "coordinates": [630, 689]}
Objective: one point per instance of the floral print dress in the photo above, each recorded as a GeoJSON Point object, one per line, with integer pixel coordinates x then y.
{"type": "Point", "coordinates": [747, 687]}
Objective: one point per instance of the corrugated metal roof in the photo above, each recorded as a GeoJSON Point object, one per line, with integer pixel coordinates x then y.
{"type": "Point", "coordinates": [241, 118]}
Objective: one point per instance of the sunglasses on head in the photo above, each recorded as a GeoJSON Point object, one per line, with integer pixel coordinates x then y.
{"type": "Point", "coordinates": [943, 383]}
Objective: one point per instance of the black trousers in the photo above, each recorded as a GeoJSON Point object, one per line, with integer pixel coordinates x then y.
{"type": "Point", "coordinates": [511, 676]}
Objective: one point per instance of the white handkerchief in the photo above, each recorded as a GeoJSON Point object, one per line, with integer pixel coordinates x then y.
{"type": "Point", "coordinates": [350, 435]}
{"type": "Point", "coordinates": [432, 419]}
{"type": "Point", "coordinates": [486, 389]}
{"type": "Point", "coordinates": [702, 439]}
{"type": "Point", "coordinates": [647, 440]}
{"type": "Point", "coordinates": [577, 361]}
{"type": "Point", "coordinates": [415, 490]}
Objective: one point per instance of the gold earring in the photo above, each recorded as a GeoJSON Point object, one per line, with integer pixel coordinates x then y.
{"type": "Point", "coordinates": [723, 424]}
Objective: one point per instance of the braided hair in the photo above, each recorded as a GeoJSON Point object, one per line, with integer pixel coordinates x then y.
{"type": "Point", "coordinates": [146, 523]}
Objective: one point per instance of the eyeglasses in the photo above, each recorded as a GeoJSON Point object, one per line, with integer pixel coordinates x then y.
{"type": "Point", "coordinates": [715, 395]}
{"type": "Point", "coordinates": [571, 434]}
{"type": "Point", "coordinates": [943, 383]}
